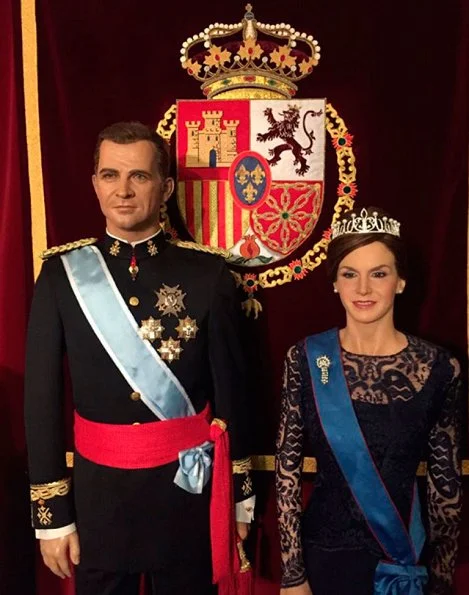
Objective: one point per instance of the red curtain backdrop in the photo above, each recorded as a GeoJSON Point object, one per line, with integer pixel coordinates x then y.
{"type": "Point", "coordinates": [397, 74]}
{"type": "Point", "coordinates": [16, 541]}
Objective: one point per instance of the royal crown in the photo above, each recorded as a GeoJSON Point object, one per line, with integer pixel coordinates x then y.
{"type": "Point", "coordinates": [365, 223]}
{"type": "Point", "coordinates": [274, 63]}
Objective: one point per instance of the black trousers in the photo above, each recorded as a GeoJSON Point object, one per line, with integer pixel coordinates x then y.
{"type": "Point", "coordinates": [98, 582]}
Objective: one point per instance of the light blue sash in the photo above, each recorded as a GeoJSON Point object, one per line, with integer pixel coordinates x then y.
{"type": "Point", "coordinates": [399, 575]}
{"type": "Point", "coordinates": [141, 366]}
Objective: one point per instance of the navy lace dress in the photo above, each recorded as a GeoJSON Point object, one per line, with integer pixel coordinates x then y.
{"type": "Point", "coordinates": [407, 406]}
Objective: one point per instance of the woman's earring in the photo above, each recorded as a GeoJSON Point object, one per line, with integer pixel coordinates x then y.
{"type": "Point", "coordinates": [335, 290]}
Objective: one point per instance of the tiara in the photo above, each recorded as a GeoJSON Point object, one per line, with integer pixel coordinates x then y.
{"type": "Point", "coordinates": [365, 223]}
{"type": "Point", "coordinates": [223, 62]}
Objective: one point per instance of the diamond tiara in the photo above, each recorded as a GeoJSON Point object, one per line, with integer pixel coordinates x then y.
{"type": "Point", "coordinates": [365, 223]}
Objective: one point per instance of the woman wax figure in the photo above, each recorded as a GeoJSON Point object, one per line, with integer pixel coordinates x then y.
{"type": "Point", "coordinates": [370, 402]}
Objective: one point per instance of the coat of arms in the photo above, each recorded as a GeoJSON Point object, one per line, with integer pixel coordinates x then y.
{"type": "Point", "coordinates": [251, 174]}
{"type": "Point", "coordinates": [251, 159]}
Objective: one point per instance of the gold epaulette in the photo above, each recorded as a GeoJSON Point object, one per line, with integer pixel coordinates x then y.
{"type": "Point", "coordinates": [202, 248]}
{"type": "Point", "coordinates": [67, 247]}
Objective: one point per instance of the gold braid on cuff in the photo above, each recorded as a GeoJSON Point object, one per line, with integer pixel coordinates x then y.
{"type": "Point", "coordinates": [242, 465]}
{"type": "Point", "coordinates": [46, 491]}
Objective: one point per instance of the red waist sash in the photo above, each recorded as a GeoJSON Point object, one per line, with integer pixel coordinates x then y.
{"type": "Point", "coordinates": [154, 444]}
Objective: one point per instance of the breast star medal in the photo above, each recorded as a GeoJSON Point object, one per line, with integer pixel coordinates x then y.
{"type": "Point", "coordinates": [187, 328]}
{"type": "Point", "coordinates": [170, 350]}
{"type": "Point", "coordinates": [170, 300]}
{"type": "Point", "coordinates": [151, 329]}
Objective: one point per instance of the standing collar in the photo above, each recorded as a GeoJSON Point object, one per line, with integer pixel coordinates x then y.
{"type": "Point", "coordinates": [147, 247]}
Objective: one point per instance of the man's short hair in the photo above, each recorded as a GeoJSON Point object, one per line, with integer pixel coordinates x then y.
{"type": "Point", "coordinates": [124, 133]}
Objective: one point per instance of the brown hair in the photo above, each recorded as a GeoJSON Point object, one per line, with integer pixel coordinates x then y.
{"type": "Point", "coordinates": [124, 133]}
{"type": "Point", "coordinates": [340, 247]}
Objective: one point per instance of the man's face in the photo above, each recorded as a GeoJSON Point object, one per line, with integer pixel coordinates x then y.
{"type": "Point", "coordinates": [130, 188]}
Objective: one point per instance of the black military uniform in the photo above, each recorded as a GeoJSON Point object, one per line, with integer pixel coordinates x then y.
{"type": "Point", "coordinates": [134, 520]}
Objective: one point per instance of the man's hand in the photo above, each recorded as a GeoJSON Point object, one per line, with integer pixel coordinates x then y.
{"type": "Point", "coordinates": [56, 553]}
{"type": "Point", "coordinates": [303, 589]}
{"type": "Point", "coordinates": [243, 529]}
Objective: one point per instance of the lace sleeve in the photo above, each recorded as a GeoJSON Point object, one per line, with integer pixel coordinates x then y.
{"type": "Point", "coordinates": [444, 493]}
{"type": "Point", "coordinates": [288, 464]}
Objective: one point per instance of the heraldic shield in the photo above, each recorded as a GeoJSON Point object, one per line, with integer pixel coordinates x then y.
{"type": "Point", "coordinates": [251, 174]}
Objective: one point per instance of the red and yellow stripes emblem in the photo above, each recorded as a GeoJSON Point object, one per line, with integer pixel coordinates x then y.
{"type": "Point", "coordinates": [210, 213]}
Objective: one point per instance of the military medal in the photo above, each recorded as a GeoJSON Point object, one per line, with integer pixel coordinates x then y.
{"type": "Point", "coordinates": [187, 328]}
{"type": "Point", "coordinates": [133, 268]}
{"type": "Point", "coordinates": [151, 329]}
{"type": "Point", "coordinates": [170, 350]}
{"type": "Point", "coordinates": [170, 300]}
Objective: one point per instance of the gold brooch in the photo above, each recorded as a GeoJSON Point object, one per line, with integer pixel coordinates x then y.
{"type": "Point", "coordinates": [187, 328]}
{"type": "Point", "coordinates": [151, 329]}
{"type": "Point", "coordinates": [115, 248]}
{"type": "Point", "coordinates": [170, 300]}
{"type": "Point", "coordinates": [152, 249]}
{"type": "Point", "coordinates": [323, 363]}
{"type": "Point", "coordinates": [170, 350]}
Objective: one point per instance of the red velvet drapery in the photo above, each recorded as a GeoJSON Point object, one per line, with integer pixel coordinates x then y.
{"type": "Point", "coordinates": [396, 72]}
{"type": "Point", "coordinates": [16, 278]}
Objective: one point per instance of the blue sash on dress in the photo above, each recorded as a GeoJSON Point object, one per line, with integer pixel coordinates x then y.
{"type": "Point", "coordinates": [399, 574]}
{"type": "Point", "coordinates": [139, 363]}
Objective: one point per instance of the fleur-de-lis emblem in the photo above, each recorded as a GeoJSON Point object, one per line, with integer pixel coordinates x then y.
{"type": "Point", "coordinates": [323, 363]}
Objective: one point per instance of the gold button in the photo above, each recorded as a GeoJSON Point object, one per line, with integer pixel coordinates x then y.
{"type": "Point", "coordinates": [135, 396]}
{"type": "Point", "coordinates": [134, 301]}
{"type": "Point", "coordinates": [136, 423]}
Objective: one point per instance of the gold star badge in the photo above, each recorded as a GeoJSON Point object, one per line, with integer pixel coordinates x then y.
{"type": "Point", "coordinates": [170, 300]}
{"type": "Point", "coordinates": [151, 329]}
{"type": "Point", "coordinates": [187, 328]}
{"type": "Point", "coordinates": [152, 249]}
{"type": "Point", "coordinates": [115, 248]}
{"type": "Point", "coordinates": [170, 350]}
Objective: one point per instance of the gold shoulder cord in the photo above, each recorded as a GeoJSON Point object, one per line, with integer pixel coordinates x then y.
{"type": "Point", "coordinates": [67, 247]}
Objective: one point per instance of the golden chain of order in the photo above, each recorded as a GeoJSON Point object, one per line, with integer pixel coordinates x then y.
{"type": "Point", "coordinates": [347, 171]}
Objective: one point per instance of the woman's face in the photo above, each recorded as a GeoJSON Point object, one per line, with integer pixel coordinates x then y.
{"type": "Point", "coordinates": [367, 282]}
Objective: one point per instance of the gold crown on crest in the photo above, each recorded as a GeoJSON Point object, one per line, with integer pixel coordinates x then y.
{"type": "Point", "coordinates": [365, 223]}
{"type": "Point", "coordinates": [275, 63]}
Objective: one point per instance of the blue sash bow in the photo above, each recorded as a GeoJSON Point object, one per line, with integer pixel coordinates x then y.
{"type": "Point", "coordinates": [398, 575]}
{"type": "Point", "coordinates": [160, 390]}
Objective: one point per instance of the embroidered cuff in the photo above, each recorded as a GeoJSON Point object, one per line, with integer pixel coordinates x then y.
{"type": "Point", "coordinates": [242, 480]}
{"type": "Point", "coordinates": [51, 504]}
{"type": "Point", "coordinates": [242, 466]}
